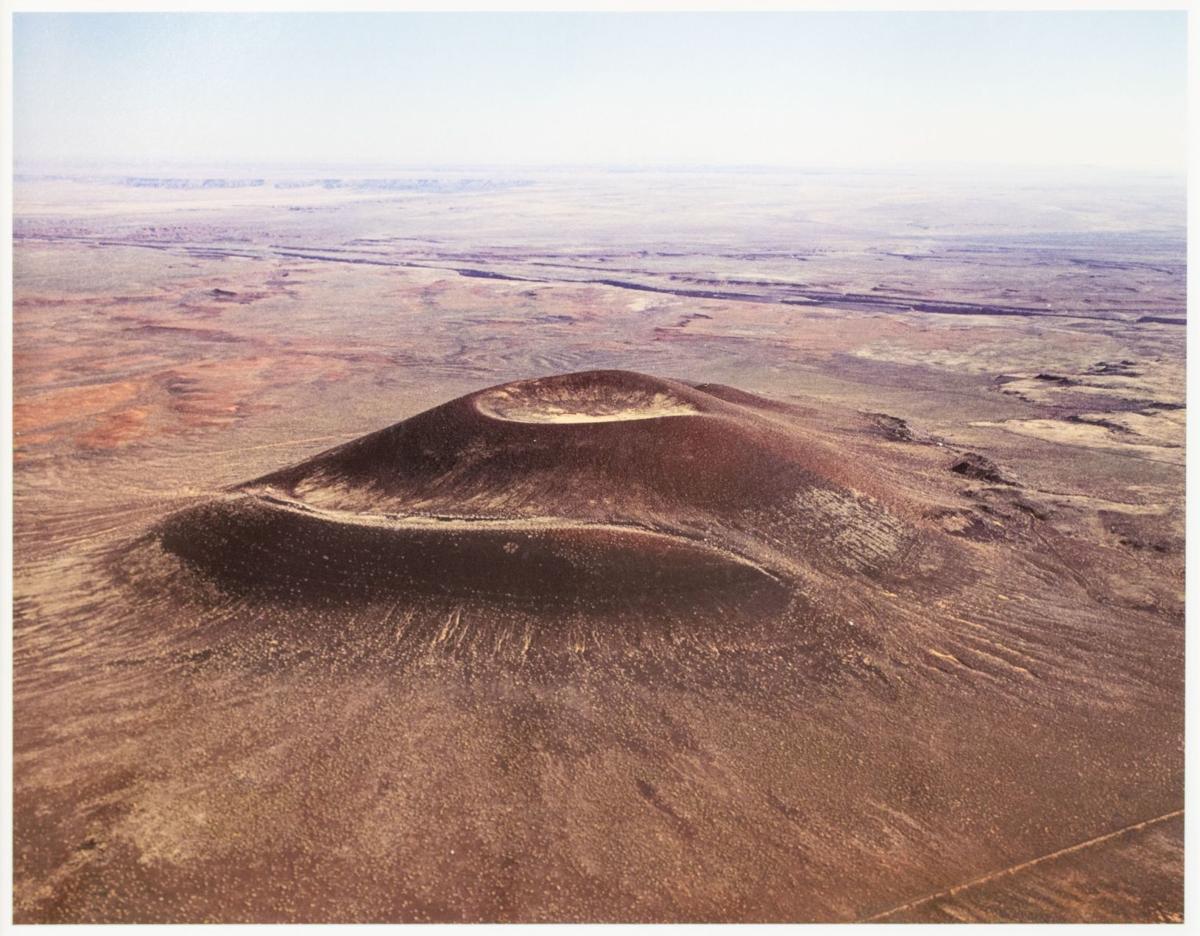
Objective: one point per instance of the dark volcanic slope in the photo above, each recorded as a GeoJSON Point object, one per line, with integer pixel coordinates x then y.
{"type": "Point", "coordinates": [639, 508]}
{"type": "Point", "coordinates": [595, 494]}
{"type": "Point", "coordinates": [597, 484]}
{"type": "Point", "coordinates": [611, 647]}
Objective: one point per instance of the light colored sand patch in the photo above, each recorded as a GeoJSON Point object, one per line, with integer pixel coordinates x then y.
{"type": "Point", "coordinates": [1088, 435]}
{"type": "Point", "coordinates": [1166, 427]}
{"type": "Point", "coordinates": [531, 408]}
{"type": "Point", "coordinates": [1163, 390]}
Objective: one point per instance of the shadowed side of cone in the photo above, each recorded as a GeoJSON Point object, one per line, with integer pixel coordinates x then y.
{"type": "Point", "coordinates": [246, 542]}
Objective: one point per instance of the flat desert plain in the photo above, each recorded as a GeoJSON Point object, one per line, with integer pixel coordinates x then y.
{"type": "Point", "coordinates": [598, 546]}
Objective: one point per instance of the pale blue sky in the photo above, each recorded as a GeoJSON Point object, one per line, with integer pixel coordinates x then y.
{"type": "Point", "coordinates": [806, 89]}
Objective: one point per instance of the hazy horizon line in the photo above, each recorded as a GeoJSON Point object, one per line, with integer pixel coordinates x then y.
{"type": "Point", "coordinates": [66, 165]}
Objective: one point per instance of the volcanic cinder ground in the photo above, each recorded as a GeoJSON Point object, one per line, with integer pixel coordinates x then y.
{"type": "Point", "coordinates": [497, 546]}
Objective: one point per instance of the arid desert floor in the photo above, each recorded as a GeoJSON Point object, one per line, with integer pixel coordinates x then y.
{"type": "Point", "coordinates": [598, 546]}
